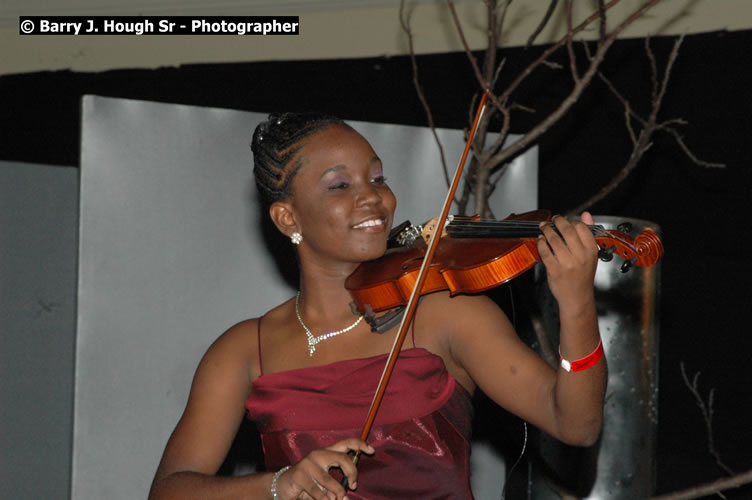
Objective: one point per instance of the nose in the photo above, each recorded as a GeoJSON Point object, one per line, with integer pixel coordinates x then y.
{"type": "Point", "coordinates": [368, 194]}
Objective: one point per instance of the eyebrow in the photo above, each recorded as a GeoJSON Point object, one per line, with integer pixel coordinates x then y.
{"type": "Point", "coordinates": [342, 166]}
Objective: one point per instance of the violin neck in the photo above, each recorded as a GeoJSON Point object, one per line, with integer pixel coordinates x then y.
{"type": "Point", "coordinates": [502, 229]}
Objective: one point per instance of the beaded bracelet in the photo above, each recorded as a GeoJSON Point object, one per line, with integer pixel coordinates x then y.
{"type": "Point", "coordinates": [275, 479]}
{"type": "Point", "coordinates": [583, 363]}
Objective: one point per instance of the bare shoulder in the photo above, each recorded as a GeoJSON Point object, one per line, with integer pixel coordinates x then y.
{"type": "Point", "coordinates": [239, 344]}
{"type": "Point", "coordinates": [237, 347]}
{"type": "Point", "coordinates": [447, 326]}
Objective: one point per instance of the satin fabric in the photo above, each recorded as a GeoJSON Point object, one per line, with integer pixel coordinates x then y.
{"type": "Point", "coordinates": [421, 433]}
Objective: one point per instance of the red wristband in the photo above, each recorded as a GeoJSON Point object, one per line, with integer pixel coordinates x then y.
{"type": "Point", "coordinates": [584, 363]}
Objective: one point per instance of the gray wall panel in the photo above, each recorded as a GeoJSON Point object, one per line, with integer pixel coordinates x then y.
{"type": "Point", "coordinates": [38, 228]}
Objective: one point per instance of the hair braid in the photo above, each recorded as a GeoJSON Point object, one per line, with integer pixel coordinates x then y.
{"type": "Point", "coordinates": [275, 143]}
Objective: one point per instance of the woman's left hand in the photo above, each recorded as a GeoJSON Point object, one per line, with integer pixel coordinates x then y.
{"type": "Point", "coordinates": [570, 257]}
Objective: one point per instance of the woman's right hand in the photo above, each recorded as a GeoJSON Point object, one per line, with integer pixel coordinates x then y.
{"type": "Point", "coordinates": [310, 478]}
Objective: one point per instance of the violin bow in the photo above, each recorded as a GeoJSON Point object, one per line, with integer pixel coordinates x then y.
{"type": "Point", "coordinates": [412, 303]}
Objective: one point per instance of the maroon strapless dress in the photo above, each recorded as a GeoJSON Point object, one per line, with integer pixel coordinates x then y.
{"type": "Point", "coordinates": [421, 433]}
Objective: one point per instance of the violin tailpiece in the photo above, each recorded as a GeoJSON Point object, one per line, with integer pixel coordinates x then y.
{"type": "Point", "coordinates": [408, 234]}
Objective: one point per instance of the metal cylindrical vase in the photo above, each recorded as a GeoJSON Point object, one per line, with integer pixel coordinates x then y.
{"type": "Point", "coordinates": [622, 464]}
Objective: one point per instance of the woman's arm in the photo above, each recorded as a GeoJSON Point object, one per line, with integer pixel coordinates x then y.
{"type": "Point", "coordinates": [571, 258]}
{"type": "Point", "coordinates": [482, 348]}
{"type": "Point", "coordinates": [202, 437]}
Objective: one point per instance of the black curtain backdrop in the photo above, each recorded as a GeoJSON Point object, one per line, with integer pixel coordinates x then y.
{"type": "Point", "coordinates": [702, 212]}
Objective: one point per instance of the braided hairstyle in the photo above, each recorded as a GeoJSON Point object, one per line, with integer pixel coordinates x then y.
{"type": "Point", "coordinates": [275, 143]}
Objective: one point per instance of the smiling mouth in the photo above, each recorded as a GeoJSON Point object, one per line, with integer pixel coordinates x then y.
{"type": "Point", "coordinates": [370, 223]}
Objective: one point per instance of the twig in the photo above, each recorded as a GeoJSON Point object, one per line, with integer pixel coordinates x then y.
{"type": "Point", "coordinates": [715, 487]}
{"type": "Point", "coordinates": [629, 114]}
{"type": "Point", "coordinates": [522, 143]}
{"type": "Point", "coordinates": [498, 156]}
{"type": "Point", "coordinates": [553, 48]}
{"type": "Point", "coordinates": [642, 142]}
{"type": "Point", "coordinates": [405, 23]}
{"type": "Point", "coordinates": [654, 66]}
{"type": "Point", "coordinates": [708, 489]}
{"type": "Point", "coordinates": [689, 153]}
{"type": "Point", "coordinates": [502, 17]}
{"type": "Point", "coordinates": [707, 415]}
{"type": "Point", "coordinates": [542, 24]}
{"type": "Point", "coordinates": [485, 83]}
{"type": "Point", "coordinates": [489, 60]}
{"type": "Point", "coordinates": [570, 47]}
{"type": "Point", "coordinates": [602, 23]}
{"type": "Point", "coordinates": [468, 52]}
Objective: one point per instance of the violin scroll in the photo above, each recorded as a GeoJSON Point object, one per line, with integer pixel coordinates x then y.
{"type": "Point", "coordinates": [644, 250]}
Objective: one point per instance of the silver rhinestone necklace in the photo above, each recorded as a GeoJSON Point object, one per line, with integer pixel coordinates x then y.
{"type": "Point", "coordinates": [312, 340]}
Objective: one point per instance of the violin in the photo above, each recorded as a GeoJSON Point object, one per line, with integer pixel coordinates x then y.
{"type": "Point", "coordinates": [475, 255]}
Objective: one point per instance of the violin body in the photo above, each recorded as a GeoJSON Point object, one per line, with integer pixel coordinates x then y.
{"type": "Point", "coordinates": [473, 258]}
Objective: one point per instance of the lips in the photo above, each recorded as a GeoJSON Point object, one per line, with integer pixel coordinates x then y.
{"type": "Point", "coordinates": [377, 222]}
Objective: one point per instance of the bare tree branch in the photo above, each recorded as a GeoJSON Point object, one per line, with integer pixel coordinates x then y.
{"type": "Point", "coordinates": [405, 23]}
{"type": "Point", "coordinates": [483, 80]}
{"type": "Point", "coordinates": [720, 485]}
{"type": "Point", "coordinates": [707, 415]}
{"type": "Point", "coordinates": [654, 65]}
{"type": "Point", "coordinates": [629, 114]}
{"type": "Point", "coordinates": [708, 489]}
{"type": "Point", "coordinates": [489, 61]}
{"type": "Point", "coordinates": [642, 142]}
{"type": "Point", "coordinates": [496, 157]}
{"type": "Point", "coordinates": [553, 48]}
{"type": "Point", "coordinates": [602, 22]}
{"type": "Point", "coordinates": [689, 153]}
{"type": "Point", "coordinates": [542, 24]}
{"type": "Point", "coordinates": [502, 18]}
{"type": "Point", "coordinates": [658, 94]}
{"type": "Point", "coordinates": [570, 47]}
{"type": "Point", "coordinates": [468, 52]}
{"type": "Point", "coordinates": [530, 137]}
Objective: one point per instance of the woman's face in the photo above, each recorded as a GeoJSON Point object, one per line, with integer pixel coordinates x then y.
{"type": "Point", "coordinates": [340, 200]}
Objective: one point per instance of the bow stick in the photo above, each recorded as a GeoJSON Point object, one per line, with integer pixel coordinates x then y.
{"type": "Point", "coordinates": [422, 274]}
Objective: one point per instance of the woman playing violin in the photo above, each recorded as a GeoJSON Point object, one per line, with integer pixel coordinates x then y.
{"type": "Point", "coordinates": [305, 371]}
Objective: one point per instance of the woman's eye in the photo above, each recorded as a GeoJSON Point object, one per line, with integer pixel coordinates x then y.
{"type": "Point", "coordinates": [339, 185]}
{"type": "Point", "coordinates": [379, 180]}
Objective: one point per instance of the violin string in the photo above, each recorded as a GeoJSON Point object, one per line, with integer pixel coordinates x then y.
{"type": "Point", "coordinates": [522, 228]}
{"type": "Point", "coordinates": [467, 227]}
{"type": "Point", "coordinates": [494, 223]}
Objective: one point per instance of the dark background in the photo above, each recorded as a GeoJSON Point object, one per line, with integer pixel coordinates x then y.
{"type": "Point", "coordinates": [702, 212]}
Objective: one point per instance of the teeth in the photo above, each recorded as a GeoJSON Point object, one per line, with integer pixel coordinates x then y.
{"type": "Point", "coordinates": [369, 223]}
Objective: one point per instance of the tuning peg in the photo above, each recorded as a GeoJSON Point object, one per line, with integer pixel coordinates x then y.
{"type": "Point", "coordinates": [606, 254]}
{"type": "Point", "coordinates": [627, 265]}
{"type": "Point", "coordinates": [625, 227]}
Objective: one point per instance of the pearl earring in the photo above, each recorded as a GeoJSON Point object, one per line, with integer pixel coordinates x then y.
{"type": "Point", "coordinates": [296, 238]}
